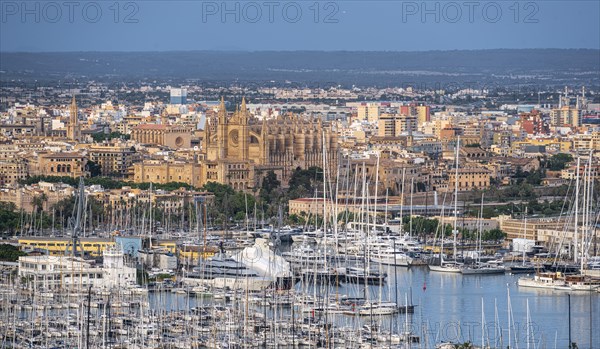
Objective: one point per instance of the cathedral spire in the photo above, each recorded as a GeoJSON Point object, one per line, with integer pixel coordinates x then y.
{"type": "Point", "coordinates": [73, 111]}
{"type": "Point", "coordinates": [206, 134]}
{"type": "Point", "coordinates": [222, 111]}
{"type": "Point", "coordinates": [73, 129]}
{"type": "Point", "coordinates": [263, 130]}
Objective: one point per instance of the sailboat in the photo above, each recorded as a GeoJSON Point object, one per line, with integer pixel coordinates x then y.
{"type": "Point", "coordinates": [556, 279]}
{"type": "Point", "coordinates": [581, 281]}
{"type": "Point", "coordinates": [482, 268]}
{"type": "Point", "coordinates": [454, 266]}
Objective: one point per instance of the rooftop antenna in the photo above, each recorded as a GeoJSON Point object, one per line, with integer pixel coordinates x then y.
{"type": "Point", "coordinates": [75, 244]}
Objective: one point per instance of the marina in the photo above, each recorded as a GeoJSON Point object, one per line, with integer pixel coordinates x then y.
{"type": "Point", "coordinates": [448, 307]}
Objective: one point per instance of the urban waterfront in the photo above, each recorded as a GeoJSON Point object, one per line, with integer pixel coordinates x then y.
{"type": "Point", "coordinates": [300, 175]}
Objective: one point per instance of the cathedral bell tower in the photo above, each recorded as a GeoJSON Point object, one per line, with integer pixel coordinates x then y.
{"type": "Point", "coordinates": [222, 131]}
{"type": "Point", "coordinates": [245, 133]}
{"type": "Point", "coordinates": [73, 128]}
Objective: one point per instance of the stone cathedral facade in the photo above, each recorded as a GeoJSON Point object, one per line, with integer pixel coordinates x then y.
{"type": "Point", "coordinates": [240, 148]}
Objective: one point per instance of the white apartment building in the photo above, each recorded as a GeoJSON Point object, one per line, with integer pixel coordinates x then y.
{"type": "Point", "coordinates": [56, 272]}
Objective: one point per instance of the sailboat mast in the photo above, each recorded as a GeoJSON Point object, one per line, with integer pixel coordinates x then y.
{"type": "Point", "coordinates": [576, 231]}
{"type": "Point", "coordinates": [454, 231]}
{"type": "Point", "coordinates": [402, 204]}
{"type": "Point", "coordinates": [150, 217]}
{"type": "Point", "coordinates": [524, 236]}
{"type": "Point", "coordinates": [376, 187]}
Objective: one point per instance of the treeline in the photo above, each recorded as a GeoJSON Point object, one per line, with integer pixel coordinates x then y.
{"type": "Point", "coordinates": [534, 207]}
{"type": "Point", "coordinates": [10, 253]}
{"type": "Point", "coordinates": [272, 197]}
{"type": "Point", "coordinates": [228, 204]}
{"type": "Point", "coordinates": [427, 227]}
{"type": "Point", "coordinates": [101, 136]}
{"type": "Point", "coordinates": [10, 219]}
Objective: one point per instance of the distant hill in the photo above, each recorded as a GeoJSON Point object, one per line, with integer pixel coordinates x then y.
{"type": "Point", "coordinates": [502, 67]}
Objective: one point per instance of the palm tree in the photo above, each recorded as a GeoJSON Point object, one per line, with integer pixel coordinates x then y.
{"type": "Point", "coordinates": [39, 201]}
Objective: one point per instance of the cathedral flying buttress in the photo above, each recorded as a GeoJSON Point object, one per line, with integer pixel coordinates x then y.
{"type": "Point", "coordinates": [241, 148]}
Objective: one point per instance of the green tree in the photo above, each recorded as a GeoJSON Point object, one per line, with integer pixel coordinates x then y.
{"type": "Point", "coordinates": [228, 203]}
{"type": "Point", "coordinates": [101, 136]}
{"type": "Point", "coordinates": [559, 161]}
{"type": "Point", "coordinates": [303, 183]}
{"type": "Point", "coordinates": [39, 201]}
{"type": "Point", "coordinates": [494, 234]}
{"type": "Point", "coordinates": [296, 220]}
{"type": "Point", "coordinates": [9, 218]}
{"type": "Point", "coordinates": [63, 209]}
{"type": "Point", "coordinates": [94, 168]}
{"type": "Point", "coordinates": [10, 253]}
{"type": "Point", "coordinates": [269, 185]}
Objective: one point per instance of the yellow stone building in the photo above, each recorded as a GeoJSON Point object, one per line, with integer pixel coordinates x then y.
{"type": "Point", "coordinates": [390, 125]}
{"type": "Point", "coordinates": [517, 228]}
{"type": "Point", "coordinates": [57, 246]}
{"type": "Point", "coordinates": [551, 144]}
{"type": "Point", "coordinates": [23, 197]}
{"type": "Point", "coordinates": [13, 170]}
{"type": "Point", "coordinates": [160, 171]}
{"type": "Point", "coordinates": [72, 164]}
{"type": "Point", "coordinates": [114, 160]}
{"type": "Point", "coordinates": [586, 142]}
{"type": "Point", "coordinates": [308, 206]}
{"type": "Point", "coordinates": [240, 148]}
{"type": "Point", "coordinates": [469, 178]}
{"type": "Point", "coordinates": [565, 116]}
{"type": "Point", "coordinates": [172, 136]}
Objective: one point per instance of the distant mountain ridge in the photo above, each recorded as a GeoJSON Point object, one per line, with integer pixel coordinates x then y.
{"type": "Point", "coordinates": [376, 68]}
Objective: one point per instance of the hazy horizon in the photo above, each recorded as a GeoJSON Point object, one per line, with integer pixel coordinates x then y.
{"type": "Point", "coordinates": [302, 50]}
{"type": "Point", "coordinates": [347, 25]}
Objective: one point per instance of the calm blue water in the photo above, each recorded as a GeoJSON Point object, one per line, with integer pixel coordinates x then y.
{"type": "Point", "coordinates": [450, 309]}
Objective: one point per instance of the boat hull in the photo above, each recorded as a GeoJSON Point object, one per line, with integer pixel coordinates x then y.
{"type": "Point", "coordinates": [533, 283]}
{"type": "Point", "coordinates": [250, 284]}
{"type": "Point", "coordinates": [361, 280]}
{"type": "Point", "coordinates": [322, 278]}
{"type": "Point", "coordinates": [443, 269]}
{"type": "Point", "coordinates": [400, 262]}
{"type": "Point", "coordinates": [520, 270]}
{"type": "Point", "coordinates": [483, 271]}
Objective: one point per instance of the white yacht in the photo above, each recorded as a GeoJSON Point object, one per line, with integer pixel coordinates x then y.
{"type": "Point", "coordinates": [266, 263]}
{"type": "Point", "coordinates": [221, 271]}
{"type": "Point", "coordinates": [390, 256]}
{"type": "Point", "coordinates": [378, 308]}
{"type": "Point", "coordinates": [545, 280]}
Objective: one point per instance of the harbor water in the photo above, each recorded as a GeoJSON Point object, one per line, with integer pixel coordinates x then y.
{"type": "Point", "coordinates": [452, 308]}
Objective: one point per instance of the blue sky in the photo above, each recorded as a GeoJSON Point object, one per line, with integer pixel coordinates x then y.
{"type": "Point", "coordinates": [149, 25]}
